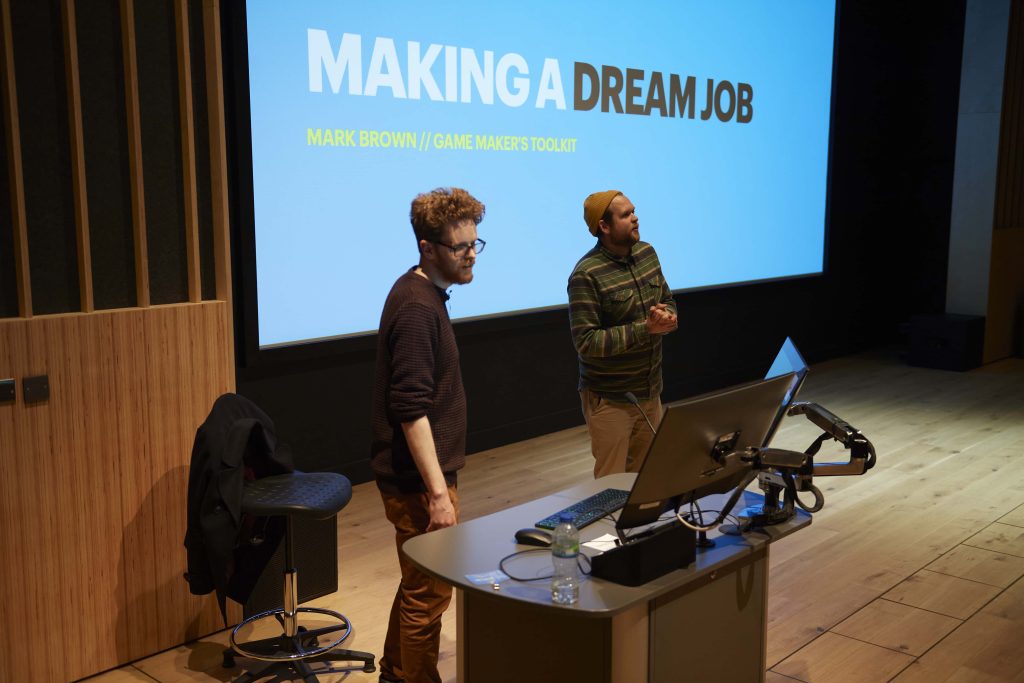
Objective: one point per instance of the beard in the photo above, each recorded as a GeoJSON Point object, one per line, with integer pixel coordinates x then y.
{"type": "Point", "coordinates": [625, 240]}
{"type": "Point", "coordinates": [456, 273]}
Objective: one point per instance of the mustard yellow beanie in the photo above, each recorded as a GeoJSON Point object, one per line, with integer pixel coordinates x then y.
{"type": "Point", "coordinates": [594, 207]}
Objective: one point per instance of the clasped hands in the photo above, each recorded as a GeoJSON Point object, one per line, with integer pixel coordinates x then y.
{"type": "Point", "coordinates": [660, 320]}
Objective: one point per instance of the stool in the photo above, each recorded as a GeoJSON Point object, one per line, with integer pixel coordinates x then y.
{"type": "Point", "coordinates": [316, 495]}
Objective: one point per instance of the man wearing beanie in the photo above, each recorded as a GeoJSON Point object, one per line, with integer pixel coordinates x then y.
{"type": "Point", "coordinates": [619, 307]}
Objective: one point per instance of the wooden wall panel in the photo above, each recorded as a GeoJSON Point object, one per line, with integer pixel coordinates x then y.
{"type": "Point", "coordinates": [138, 515]}
{"type": "Point", "coordinates": [36, 509]}
{"type": "Point", "coordinates": [93, 480]}
{"type": "Point", "coordinates": [177, 342]}
{"type": "Point", "coordinates": [1004, 324]}
{"type": "Point", "coordinates": [1004, 321]}
{"type": "Point", "coordinates": [167, 369]}
{"type": "Point", "coordinates": [19, 517]}
{"type": "Point", "coordinates": [10, 577]}
{"type": "Point", "coordinates": [94, 484]}
{"type": "Point", "coordinates": [1009, 208]}
{"type": "Point", "coordinates": [77, 356]}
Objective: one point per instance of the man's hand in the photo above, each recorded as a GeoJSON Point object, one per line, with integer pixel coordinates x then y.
{"type": "Point", "coordinates": [442, 512]}
{"type": "Point", "coordinates": [660, 320]}
{"type": "Point", "coordinates": [420, 438]}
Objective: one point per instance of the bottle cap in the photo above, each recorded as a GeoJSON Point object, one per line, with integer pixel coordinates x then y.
{"type": "Point", "coordinates": [566, 517]}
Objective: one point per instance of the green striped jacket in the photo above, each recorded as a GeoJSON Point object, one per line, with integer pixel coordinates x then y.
{"type": "Point", "coordinates": [609, 298]}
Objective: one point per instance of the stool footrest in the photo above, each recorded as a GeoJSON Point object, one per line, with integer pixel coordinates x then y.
{"type": "Point", "coordinates": [295, 653]}
{"type": "Point", "coordinates": [290, 648]}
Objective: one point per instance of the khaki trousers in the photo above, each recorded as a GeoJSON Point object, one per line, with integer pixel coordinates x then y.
{"type": "Point", "coordinates": [414, 627]}
{"type": "Point", "coordinates": [619, 435]}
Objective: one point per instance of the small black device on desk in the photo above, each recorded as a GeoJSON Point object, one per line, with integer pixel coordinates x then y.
{"type": "Point", "coordinates": [531, 536]}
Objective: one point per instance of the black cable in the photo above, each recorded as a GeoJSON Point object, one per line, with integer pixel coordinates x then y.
{"type": "Point", "coordinates": [700, 513]}
{"type": "Point", "coordinates": [501, 565]}
{"type": "Point", "coordinates": [730, 518]}
{"type": "Point", "coordinates": [582, 563]}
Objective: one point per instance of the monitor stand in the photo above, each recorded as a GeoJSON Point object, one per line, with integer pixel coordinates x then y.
{"type": "Point", "coordinates": [773, 510]}
{"type": "Point", "coordinates": [702, 540]}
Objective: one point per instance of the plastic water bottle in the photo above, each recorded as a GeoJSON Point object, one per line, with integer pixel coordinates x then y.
{"type": "Point", "coordinates": [565, 550]}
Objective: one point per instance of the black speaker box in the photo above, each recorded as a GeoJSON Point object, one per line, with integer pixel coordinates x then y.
{"type": "Point", "coordinates": [670, 547]}
{"type": "Point", "coordinates": [947, 341]}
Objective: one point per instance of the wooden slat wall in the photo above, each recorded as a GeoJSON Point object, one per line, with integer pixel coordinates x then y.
{"type": "Point", "coordinates": [188, 150]}
{"type": "Point", "coordinates": [94, 484]}
{"type": "Point", "coordinates": [10, 103]}
{"type": "Point", "coordinates": [78, 183]}
{"type": "Point", "coordinates": [134, 118]}
{"type": "Point", "coordinates": [218, 148]}
{"type": "Point", "coordinates": [93, 480]}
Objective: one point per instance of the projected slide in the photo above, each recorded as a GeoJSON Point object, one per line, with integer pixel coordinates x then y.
{"type": "Point", "coordinates": [712, 117]}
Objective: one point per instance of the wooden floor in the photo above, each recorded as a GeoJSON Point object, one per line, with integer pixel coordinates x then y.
{"type": "Point", "coordinates": [912, 572]}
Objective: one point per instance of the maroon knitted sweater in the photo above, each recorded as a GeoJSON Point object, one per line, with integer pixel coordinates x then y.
{"type": "Point", "coordinates": [417, 374]}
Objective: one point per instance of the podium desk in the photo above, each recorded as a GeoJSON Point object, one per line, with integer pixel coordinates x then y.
{"type": "Point", "coordinates": [704, 623]}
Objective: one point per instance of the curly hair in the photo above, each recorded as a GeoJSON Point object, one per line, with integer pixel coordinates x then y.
{"type": "Point", "coordinates": [432, 211]}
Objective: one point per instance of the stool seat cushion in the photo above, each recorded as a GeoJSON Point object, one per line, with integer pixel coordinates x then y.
{"type": "Point", "coordinates": [317, 495]}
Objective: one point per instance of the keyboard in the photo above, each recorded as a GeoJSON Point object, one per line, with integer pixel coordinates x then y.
{"type": "Point", "coordinates": [589, 510]}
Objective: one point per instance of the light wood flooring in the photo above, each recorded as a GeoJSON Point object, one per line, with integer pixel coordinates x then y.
{"type": "Point", "coordinates": [910, 573]}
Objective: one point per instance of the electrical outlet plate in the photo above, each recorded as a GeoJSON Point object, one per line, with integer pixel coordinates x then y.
{"type": "Point", "coordinates": [7, 390]}
{"type": "Point", "coordinates": [36, 388]}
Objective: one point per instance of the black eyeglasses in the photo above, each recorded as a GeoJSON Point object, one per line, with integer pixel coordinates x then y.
{"type": "Point", "coordinates": [460, 250]}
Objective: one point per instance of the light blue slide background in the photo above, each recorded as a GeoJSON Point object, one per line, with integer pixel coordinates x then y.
{"type": "Point", "coordinates": [721, 202]}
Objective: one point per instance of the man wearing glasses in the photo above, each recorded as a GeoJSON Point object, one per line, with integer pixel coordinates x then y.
{"type": "Point", "coordinates": [419, 418]}
{"type": "Point", "coordinates": [619, 307]}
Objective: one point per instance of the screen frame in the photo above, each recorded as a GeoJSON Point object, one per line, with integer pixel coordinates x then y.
{"type": "Point", "coordinates": [799, 365]}
{"type": "Point", "coordinates": [249, 354]}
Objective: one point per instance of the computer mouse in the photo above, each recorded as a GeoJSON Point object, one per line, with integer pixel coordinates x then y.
{"type": "Point", "coordinates": [533, 536]}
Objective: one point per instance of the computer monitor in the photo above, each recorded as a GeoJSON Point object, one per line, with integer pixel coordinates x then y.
{"type": "Point", "coordinates": [695, 452]}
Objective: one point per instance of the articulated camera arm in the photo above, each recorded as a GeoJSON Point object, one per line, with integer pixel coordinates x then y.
{"type": "Point", "coordinates": [790, 472]}
{"type": "Point", "coordinates": [785, 474]}
{"type": "Point", "coordinates": [862, 453]}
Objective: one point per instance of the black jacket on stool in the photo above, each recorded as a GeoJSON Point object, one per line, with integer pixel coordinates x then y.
{"type": "Point", "coordinates": [227, 551]}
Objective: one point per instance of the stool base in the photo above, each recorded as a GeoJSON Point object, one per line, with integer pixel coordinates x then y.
{"type": "Point", "coordinates": [285, 653]}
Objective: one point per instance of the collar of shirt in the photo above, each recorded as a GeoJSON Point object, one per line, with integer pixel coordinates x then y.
{"type": "Point", "coordinates": [445, 296]}
{"type": "Point", "coordinates": [625, 260]}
